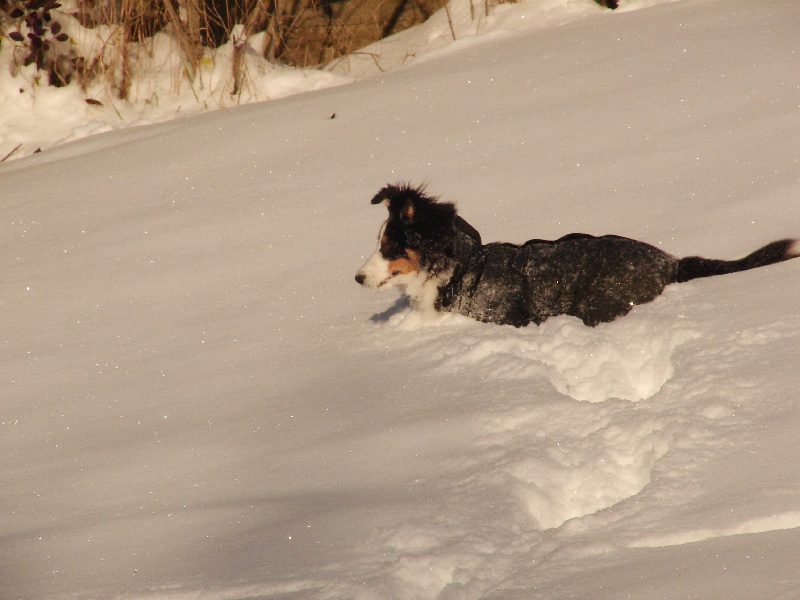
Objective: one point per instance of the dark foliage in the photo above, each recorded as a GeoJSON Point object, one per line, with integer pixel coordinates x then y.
{"type": "Point", "coordinates": [35, 30]}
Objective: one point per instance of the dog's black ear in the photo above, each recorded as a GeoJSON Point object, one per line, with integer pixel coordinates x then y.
{"type": "Point", "coordinates": [380, 198]}
{"type": "Point", "coordinates": [386, 194]}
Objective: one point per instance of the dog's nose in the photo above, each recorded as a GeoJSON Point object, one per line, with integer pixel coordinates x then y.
{"type": "Point", "coordinates": [360, 277]}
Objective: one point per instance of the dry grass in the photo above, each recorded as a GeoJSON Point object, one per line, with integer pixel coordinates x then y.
{"type": "Point", "coordinates": [301, 33]}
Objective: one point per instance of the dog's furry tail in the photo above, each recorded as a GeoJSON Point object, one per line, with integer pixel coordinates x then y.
{"type": "Point", "coordinates": [693, 267]}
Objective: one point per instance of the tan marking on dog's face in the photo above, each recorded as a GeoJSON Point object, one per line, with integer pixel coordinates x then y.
{"type": "Point", "coordinates": [406, 264]}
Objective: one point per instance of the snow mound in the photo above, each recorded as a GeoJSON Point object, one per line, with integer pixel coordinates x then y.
{"type": "Point", "coordinates": [628, 359]}
{"type": "Point", "coordinates": [537, 460]}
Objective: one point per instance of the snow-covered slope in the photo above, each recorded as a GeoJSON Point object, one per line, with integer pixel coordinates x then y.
{"type": "Point", "coordinates": [199, 402]}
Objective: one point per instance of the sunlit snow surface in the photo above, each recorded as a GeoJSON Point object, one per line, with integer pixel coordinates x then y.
{"type": "Point", "coordinates": [200, 403]}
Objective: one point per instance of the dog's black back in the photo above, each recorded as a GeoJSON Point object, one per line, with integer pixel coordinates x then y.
{"type": "Point", "coordinates": [596, 279]}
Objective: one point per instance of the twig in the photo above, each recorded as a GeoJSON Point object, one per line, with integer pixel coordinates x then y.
{"type": "Point", "coordinates": [111, 102]}
{"type": "Point", "coordinates": [450, 20]}
{"type": "Point", "coordinates": [346, 58]}
{"type": "Point", "coordinates": [17, 147]}
{"type": "Point", "coordinates": [185, 39]}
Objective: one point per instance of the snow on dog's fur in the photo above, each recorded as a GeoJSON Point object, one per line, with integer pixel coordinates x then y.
{"type": "Point", "coordinates": [439, 261]}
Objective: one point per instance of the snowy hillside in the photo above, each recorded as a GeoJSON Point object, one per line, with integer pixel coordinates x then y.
{"type": "Point", "coordinates": [200, 403]}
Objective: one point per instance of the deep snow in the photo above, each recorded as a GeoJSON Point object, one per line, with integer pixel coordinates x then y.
{"type": "Point", "coordinates": [199, 401]}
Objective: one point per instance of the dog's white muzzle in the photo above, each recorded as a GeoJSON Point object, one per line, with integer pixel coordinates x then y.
{"type": "Point", "coordinates": [375, 272]}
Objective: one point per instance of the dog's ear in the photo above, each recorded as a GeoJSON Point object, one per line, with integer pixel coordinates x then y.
{"type": "Point", "coordinates": [386, 194]}
{"type": "Point", "coordinates": [381, 198]}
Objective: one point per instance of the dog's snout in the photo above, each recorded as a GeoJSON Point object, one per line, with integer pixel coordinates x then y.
{"type": "Point", "coordinates": [360, 278]}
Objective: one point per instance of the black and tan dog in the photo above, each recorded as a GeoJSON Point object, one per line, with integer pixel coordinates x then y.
{"type": "Point", "coordinates": [438, 260]}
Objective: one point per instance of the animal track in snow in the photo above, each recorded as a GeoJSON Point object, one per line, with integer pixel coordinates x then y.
{"type": "Point", "coordinates": [629, 359]}
{"type": "Point", "coordinates": [552, 430]}
{"type": "Point", "coordinates": [558, 459]}
{"type": "Point", "coordinates": [561, 463]}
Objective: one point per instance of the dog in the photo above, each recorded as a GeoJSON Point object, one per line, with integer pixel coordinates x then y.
{"type": "Point", "coordinates": [438, 259]}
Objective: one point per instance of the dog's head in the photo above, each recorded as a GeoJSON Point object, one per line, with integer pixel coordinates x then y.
{"type": "Point", "coordinates": [417, 241]}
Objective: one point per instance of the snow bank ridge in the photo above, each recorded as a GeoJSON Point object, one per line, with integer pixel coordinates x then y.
{"type": "Point", "coordinates": [629, 359]}
{"type": "Point", "coordinates": [786, 520]}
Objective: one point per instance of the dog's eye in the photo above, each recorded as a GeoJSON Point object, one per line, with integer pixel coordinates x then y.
{"type": "Point", "coordinates": [392, 250]}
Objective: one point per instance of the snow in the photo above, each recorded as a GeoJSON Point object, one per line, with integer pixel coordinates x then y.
{"type": "Point", "coordinates": [35, 117]}
{"type": "Point", "coordinates": [200, 403]}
